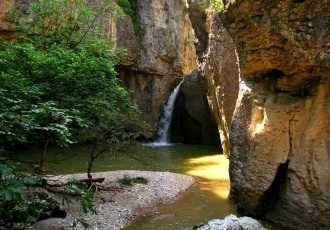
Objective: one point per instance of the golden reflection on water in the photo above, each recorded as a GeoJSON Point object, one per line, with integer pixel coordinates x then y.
{"type": "Point", "coordinates": [212, 172]}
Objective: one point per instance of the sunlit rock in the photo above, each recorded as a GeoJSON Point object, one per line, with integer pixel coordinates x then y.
{"type": "Point", "coordinates": [232, 222]}
{"type": "Point", "coordinates": [280, 142]}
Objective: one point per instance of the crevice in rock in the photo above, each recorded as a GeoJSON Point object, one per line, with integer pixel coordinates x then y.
{"type": "Point", "coordinates": [290, 139]}
{"type": "Point", "coordinates": [274, 188]}
{"type": "Point", "coordinates": [298, 1]}
{"type": "Point", "coordinates": [271, 78]}
{"type": "Point", "coordinates": [307, 88]}
{"type": "Point", "coordinates": [198, 19]}
{"type": "Point", "coordinates": [276, 81]}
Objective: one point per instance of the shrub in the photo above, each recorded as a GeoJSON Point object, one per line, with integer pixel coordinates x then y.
{"type": "Point", "coordinates": [127, 180]}
{"type": "Point", "coordinates": [130, 8]}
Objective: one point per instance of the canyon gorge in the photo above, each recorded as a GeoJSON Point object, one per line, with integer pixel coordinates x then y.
{"type": "Point", "coordinates": [257, 82]}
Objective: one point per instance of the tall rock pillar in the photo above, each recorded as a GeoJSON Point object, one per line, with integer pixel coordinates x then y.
{"type": "Point", "coordinates": [280, 132]}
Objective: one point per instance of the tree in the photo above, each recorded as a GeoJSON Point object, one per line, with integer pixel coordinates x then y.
{"type": "Point", "coordinates": [59, 74]}
{"type": "Point", "coordinates": [58, 81]}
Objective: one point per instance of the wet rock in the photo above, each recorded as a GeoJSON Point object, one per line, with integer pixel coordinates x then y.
{"type": "Point", "coordinates": [52, 223]}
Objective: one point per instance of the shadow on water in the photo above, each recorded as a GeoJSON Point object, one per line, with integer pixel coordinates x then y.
{"type": "Point", "coordinates": [208, 200]}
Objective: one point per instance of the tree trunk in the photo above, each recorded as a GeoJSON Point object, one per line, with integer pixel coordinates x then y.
{"type": "Point", "coordinates": [41, 167]}
{"type": "Point", "coordinates": [89, 168]}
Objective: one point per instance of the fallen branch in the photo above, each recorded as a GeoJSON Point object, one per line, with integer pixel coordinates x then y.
{"type": "Point", "coordinates": [61, 184]}
{"type": "Point", "coordinates": [60, 191]}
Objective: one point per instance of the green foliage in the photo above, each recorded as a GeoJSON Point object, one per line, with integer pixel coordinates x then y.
{"type": "Point", "coordinates": [217, 5]}
{"type": "Point", "coordinates": [58, 80]}
{"type": "Point", "coordinates": [59, 75]}
{"type": "Point", "coordinates": [69, 23]}
{"type": "Point", "coordinates": [76, 186]}
{"type": "Point", "coordinates": [185, 6]}
{"type": "Point", "coordinates": [126, 180]}
{"type": "Point", "coordinates": [86, 199]}
{"type": "Point", "coordinates": [130, 8]}
{"type": "Point", "coordinates": [19, 204]}
{"type": "Point", "coordinates": [12, 186]}
{"type": "Point", "coordinates": [28, 113]}
{"type": "Point", "coordinates": [140, 180]}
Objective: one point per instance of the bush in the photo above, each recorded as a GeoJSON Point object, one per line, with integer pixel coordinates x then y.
{"type": "Point", "coordinates": [127, 180]}
{"type": "Point", "coordinates": [13, 188]}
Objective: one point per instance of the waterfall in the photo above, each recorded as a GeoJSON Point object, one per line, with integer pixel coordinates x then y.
{"type": "Point", "coordinates": [166, 118]}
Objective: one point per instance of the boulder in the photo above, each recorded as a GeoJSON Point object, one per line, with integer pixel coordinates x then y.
{"type": "Point", "coordinates": [233, 222]}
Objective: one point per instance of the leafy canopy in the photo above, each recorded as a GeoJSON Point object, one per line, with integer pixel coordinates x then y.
{"type": "Point", "coordinates": [57, 80]}
{"type": "Point", "coordinates": [59, 74]}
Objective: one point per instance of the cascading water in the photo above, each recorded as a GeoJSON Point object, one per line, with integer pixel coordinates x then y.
{"type": "Point", "coordinates": [165, 120]}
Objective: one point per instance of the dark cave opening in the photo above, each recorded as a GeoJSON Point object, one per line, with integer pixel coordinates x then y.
{"type": "Point", "coordinates": [187, 129]}
{"type": "Point", "coordinates": [273, 190]}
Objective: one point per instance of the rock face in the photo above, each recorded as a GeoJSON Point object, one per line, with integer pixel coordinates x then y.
{"type": "Point", "coordinates": [4, 6]}
{"type": "Point", "coordinates": [218, 66]}
{"type": "Point", "coordinates": [280, 133]}
{"type": "Point", "coordinates": [159, 55]}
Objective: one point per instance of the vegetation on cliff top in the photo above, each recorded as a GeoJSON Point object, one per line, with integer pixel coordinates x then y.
{"type": "Point", "coordinates": [130, 8]}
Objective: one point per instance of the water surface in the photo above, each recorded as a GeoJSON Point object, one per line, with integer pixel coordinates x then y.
{"type": "Point", "coordinates": [208, 200]}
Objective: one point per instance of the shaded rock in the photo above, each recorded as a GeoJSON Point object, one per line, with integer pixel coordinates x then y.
{"type": "Point", "coordinates": [192, 122]}
{"type": "Point", "coordinates": [52, 223]}
{"type": "Point", "coordinates": [218, 66]}
{"type": "Point", "coordinates": [150, 93]}
{"type": "Point", "coordinates": [35, 205]}
{"type": "Point", "coordinates": [232, 222]}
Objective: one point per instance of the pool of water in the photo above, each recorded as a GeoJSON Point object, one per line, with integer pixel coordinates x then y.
{"type": "Point", "coordinates": [207, 200]}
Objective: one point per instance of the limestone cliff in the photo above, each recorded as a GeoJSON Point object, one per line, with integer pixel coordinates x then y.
{"type": "Point", "coordinates": [280, 132]}
{"type": "Point", "coordinates": [159, 55]}
{"type": "Point", "coordinates": [218, 66]}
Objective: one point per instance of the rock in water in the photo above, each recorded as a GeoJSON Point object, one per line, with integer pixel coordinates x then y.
{"type": "Point", "coordinates": [232, 222]}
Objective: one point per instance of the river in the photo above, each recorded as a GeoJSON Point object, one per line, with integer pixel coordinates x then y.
{"type": "Point", "coordinates": [205, 201]}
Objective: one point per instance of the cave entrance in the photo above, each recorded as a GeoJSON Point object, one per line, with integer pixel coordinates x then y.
{"type": "Point", "coordinates": [192, 122]}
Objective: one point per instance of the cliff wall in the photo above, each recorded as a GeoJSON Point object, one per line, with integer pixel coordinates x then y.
{"type": "Point", "coordinates": [218, 65]}
{"type": "Point", "coordinates": [159, 55]}
{"type": "Point", "coordinates": [280, 132]}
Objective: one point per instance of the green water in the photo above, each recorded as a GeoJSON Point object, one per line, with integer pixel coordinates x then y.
{"type": "Point", "coordinates": [207, 200]}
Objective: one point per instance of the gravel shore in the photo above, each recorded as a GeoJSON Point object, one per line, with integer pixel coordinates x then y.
{"type": "Point", "coordinates": [122, 204]}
